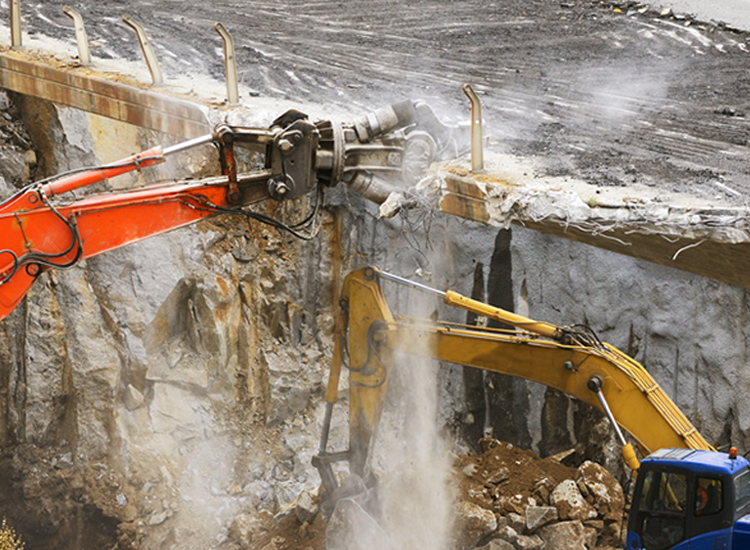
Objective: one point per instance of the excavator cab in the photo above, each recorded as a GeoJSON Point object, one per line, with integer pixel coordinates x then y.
{"type": "Point", "coordinates": [691, 500]}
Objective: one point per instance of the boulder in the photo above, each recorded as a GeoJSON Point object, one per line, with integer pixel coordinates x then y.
{"type": "Point", "coordinates": [507, 533]}
{"type": "Point", "coordinates": [539, 516]}
{"type": "Point", "coordinates": [530, 542]}
{"type": "Point", "coordinates": [568, 535]}
{"type": "Point", "coordinates": [498, 544]}
{"type": "Point", "coordinates": [474, 522]}
{"type": "Point", "coordinates": [606, 491]}
{"type": "Point", "coordinates": [570, 503]}
{"type": "Point", "coordinates": [306, 507]}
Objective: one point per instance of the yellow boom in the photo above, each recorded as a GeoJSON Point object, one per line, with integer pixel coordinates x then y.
{"type": "Point", "coordinates": [570, 359]}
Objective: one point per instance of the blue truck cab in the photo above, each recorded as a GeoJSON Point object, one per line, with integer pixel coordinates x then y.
{"type": "Point", "coordinates": [691, 500]}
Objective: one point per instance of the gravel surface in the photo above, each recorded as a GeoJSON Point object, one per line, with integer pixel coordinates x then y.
{"type": "Point", "coordinates": [612, 93]}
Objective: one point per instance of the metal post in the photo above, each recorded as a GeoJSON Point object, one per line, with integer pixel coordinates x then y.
{"type": "Point", "coordinates": [230, 64]}
{"type": "Point", "coordinates": [477, 152]}
{"type": "Point", "coordinates": [148, 50]}
{"type": "Point", "coordinates": [15, 24]}
{"type": "Point", "coordinates": [84, 55]}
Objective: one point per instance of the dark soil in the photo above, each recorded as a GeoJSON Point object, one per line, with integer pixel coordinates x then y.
{"type": "Point", "coordinates": [507, 471]}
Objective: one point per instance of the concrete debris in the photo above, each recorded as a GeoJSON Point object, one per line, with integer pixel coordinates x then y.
{"type": "Point", "coordinates": [498, 544]}
{"type": "Point", "coordinates": [306, 508]}
{"type": "Point", "coordinates": [568, 535]}
{"type": "Point", "coordinates": [607, 493]}
{"type": "Point", "coordinates": [557, 509]}
{"type": "Point", "coordinates": [473, 523]}
{"type": "Point", "coordinates": [569, 501]}
{"type": "Point", "coordinates": [529, 542]}
{"type": "Point", "coordinates": [391, 206]}
{"type": "Point", "coordinates": [539, 516]}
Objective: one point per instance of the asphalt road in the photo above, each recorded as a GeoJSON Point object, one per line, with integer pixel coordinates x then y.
{"type": "Point", "coordinates": [607, 91]}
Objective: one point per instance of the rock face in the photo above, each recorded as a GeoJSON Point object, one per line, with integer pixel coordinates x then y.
{"type": "Point", "coordinates": [152, 394]}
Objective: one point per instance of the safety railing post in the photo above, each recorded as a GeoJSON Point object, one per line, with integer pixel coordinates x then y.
{"type": "Point", "coordinates": [16, 41]}
{"type": "Point", "coordinates": [230, 64]}
{"type": "Point", "coordinates": [84, 54]}
{"type": "Point", "coordinates": [148, 50]}
{"type": "Point", "coordinates": [477, 147]}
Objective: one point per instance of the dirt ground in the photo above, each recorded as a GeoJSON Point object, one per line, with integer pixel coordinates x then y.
{"type": "Point", "coordinates": [609, 91]}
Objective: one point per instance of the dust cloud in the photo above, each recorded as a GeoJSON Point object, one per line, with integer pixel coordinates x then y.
{"type": "Point", "coordinates": [410, 457]}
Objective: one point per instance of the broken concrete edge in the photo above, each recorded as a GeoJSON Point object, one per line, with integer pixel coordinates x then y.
{"type": "Point", "coordinates": [711, 239]}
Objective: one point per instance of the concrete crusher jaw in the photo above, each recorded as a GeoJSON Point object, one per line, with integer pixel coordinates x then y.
{"type": "Point", "coordinates": [388, 150]}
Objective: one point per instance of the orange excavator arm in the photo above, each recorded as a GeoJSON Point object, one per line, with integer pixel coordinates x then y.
{"type": "Point", "coordinates": [42, 228]}
{"type": "Point", "coordinates": [571, 359]}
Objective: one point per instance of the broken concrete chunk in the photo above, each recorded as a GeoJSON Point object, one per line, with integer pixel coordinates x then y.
{"type": "Point", "coordinates": [498, 544]}
{"type": "Point", "coordinates": [570, 503]}
{"type": "Point", "coordinates": [474, 522]}
{"type": "Point", "coordinates": [499, 476]}
{"type": "Point", "coordinates": [532, 542]}
{"type": "Point", "coordinates": [607, 493]}
{"type": "Point", "coordinates": [306, 508]}
{"type": "Point", "coordinates": [568, 535]}
{"type": "Point", "coordinates": [539, 516]}
{"type": "Point", "coordinates": [64, 462]}
{"type": "Point", "coordinates": [391, 206]}
{"type": "Point", "coordinates": [487, 443]}
{"type": "Point", "coordinates": [507, 533]}
{"type": "Point", "coordinates": [245, 526]}
{"type": "Point", "coordinates": [517, 522]}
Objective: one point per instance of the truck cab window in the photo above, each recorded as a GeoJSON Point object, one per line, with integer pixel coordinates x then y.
{"type": "Point", "coordinates": [708, 496]}
{"type": "Point", "coordinates": [662, 509]}
{"type": "Point", "coordinates": [742, 493]}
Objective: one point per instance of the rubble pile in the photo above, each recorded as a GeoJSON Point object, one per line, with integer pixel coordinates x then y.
{"type": "Point", "coordinates": [510, 498]}
{"type": "Point", "coordinates": [507, 499]}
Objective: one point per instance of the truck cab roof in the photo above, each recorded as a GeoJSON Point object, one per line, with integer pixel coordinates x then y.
{"type": "Point", "coordinates": [697, 461]}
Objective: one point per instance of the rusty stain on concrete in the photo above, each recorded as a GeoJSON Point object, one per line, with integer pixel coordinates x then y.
{"type": "Point", "coordinates": [83, 89]}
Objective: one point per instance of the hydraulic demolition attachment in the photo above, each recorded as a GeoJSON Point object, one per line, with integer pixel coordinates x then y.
{"type": "Point", "coordinates": [44, 226]}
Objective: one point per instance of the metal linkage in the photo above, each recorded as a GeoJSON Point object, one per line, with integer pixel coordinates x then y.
{"type": "Point", "coordinates": [477, 152]}
{"type": "Point", "coordinates": [230, 64]}
{"type": "Point", "coordinates": [148, 50]}
{"type": "Point", "coordinates": [15, 24]}
{"type": "Point", "coordinates": [82, 39]}
{"type": "Point", "coordinates": [413, 284]}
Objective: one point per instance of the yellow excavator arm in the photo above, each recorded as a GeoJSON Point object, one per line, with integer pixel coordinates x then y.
{"type": "Point", "coordinates": [571, 359]}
